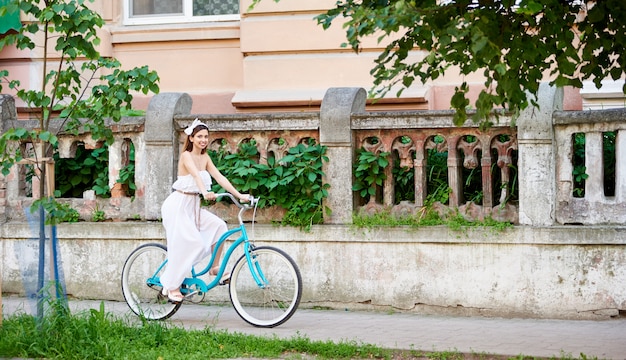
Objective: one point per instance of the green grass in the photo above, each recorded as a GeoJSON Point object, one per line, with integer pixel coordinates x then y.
{"type": "Point", "coordinates": [96, 334]}
{"type": "Point", "coordinates": [426, 217]}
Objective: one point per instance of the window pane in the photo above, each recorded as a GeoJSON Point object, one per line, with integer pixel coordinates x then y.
{"type": "Point", "coordinates": [156, 7]}
{"type": "Point", "coordinates": [215, 7]}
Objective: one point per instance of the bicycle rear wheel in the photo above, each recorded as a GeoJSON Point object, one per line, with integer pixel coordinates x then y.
{"type": "Point", "coordinates": [141, 286]}
{"type": "Point", "coordinates": [275, 301]}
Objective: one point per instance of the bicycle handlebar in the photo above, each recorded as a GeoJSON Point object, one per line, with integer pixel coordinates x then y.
{"type": "Point", "coordinates": [251, 201]}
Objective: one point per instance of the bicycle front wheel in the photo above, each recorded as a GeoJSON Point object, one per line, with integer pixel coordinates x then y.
{"type": "Point", "coordinates": [276, 298]}
{"type": "Point", "coordinates": [141, 286]}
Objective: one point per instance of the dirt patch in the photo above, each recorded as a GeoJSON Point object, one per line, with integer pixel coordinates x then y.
{"type": "Point", "coordinates": [420, 355]}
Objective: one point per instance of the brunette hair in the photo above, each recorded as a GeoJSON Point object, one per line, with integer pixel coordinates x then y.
{"type": "Point", "coordinates": [188, 144]}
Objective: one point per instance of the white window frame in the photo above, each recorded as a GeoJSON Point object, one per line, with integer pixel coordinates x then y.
{"type": "Point", "coordinates": [186, 17]}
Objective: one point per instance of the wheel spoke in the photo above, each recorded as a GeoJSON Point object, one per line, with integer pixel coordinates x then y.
{"type": "Point", "coordinates": [142, 296]}
{"type": "Point", "coordinates": [275, 302]}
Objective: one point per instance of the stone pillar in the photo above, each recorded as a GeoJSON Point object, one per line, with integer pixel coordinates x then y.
{"type": "Point", "coordinates": [8, 114]}
{"type": "Point", "coordinates": [161, 150]}
{"type": "Point", "coordinates": [336, 134]}
{"type": "Point", "coordinates": [7, 110]}
{"type": "Point", "coordinates": [536, 162]}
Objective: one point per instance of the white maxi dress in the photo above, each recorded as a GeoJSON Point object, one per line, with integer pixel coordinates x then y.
{"type": "Point", "coordinates": [191, 231]}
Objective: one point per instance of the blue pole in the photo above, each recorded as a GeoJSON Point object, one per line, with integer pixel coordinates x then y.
{"type": "Point", "coordinates": [42, 262]}
{"type": "Point", "coordinates": [59, 285]}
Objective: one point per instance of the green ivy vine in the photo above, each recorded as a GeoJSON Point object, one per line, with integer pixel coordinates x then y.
{"type": "Point", "coordinates": [293, 182]}
{"type": "Point", "coordinates": [369, 172]}
{"type": "Point", "coordinates": [88, 170]}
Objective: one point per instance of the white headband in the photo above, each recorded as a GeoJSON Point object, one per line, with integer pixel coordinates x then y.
{"type": "Point", "coordinates": [194, 124]}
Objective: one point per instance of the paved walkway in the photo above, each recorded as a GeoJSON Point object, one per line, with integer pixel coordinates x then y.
{"type": "Point", "coordinates": [531, 337]}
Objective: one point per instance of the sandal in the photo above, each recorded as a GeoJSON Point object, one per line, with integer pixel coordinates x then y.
{"type": "Point", "coordinates": [173, 298]}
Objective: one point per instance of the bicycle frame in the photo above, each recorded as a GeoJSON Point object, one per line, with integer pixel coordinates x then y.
{"type": "Point", "coordinates": [194, 282]}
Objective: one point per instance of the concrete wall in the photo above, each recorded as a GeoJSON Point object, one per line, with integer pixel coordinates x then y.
{"type": "Point", "coordinates": [546, 272]}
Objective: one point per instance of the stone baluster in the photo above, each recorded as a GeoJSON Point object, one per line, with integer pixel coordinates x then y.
{"type": "Point", "coordinates": [388, 183]}
{"type": "Point", "coordinates": [594, 184]}
{"type": "Point", "coordinates": [487, 176]}
{"type": "Point", "coordinates": [620, 167]}
{"type": "Point", "coordinates": [419, 168]}
{"type": "Point", "coordinates": [455, 177]}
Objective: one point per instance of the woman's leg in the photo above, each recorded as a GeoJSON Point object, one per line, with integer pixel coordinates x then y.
{"type": "Point", "coordinates": [212, 228]}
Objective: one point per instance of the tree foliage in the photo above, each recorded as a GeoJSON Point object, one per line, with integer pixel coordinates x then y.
{"type": "Point", "coordinates": [513, 43]}
{"type": "Point", "coordinates": [78, 84]}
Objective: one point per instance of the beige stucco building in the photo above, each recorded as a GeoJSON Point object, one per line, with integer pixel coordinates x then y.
{"type": "Point", "coordinates": [274, 57]}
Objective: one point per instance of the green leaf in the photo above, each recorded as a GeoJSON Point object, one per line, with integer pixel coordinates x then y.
{"type": "Point", "coordinates": [531, 8]}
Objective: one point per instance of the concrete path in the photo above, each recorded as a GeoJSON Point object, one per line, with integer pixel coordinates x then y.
{"type": "Point", "coordinates": [530, 337]}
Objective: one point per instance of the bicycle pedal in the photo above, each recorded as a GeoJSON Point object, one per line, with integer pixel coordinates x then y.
{"type": "Point", "coordinates": [195, 297]}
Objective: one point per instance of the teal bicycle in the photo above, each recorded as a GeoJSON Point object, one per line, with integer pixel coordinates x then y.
{"type": "Point", "coordinates": [265, 284]}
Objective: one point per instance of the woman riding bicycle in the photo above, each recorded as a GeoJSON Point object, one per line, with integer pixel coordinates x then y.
{"type": "Point", "coordinates": [192, 231]}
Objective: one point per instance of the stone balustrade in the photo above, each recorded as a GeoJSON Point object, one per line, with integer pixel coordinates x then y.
{"type": "Point", "coordinates": [525, 181]}
{"type": "Point", "coordinates": [409, 137]}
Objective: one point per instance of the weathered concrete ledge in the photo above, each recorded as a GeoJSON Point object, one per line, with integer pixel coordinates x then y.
{"type": "Point", "coordinates": [546, 272]}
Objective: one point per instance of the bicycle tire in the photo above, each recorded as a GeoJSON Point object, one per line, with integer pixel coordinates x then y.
{"type": "Point", "coordinates": [143, 298]}
{"type": "Point", "coordinates": [273, 304]}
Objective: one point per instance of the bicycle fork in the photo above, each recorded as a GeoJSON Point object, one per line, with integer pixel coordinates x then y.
{"type": "Point", "coordinates": [255, 268]}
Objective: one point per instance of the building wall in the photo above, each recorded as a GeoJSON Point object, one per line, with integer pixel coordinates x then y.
{"type": "Point", "coordinates": [275, 58]}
